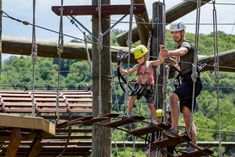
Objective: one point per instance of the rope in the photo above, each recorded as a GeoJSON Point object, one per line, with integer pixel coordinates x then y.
{"type": "Point", "coordinates": [60, 52]}
{"type": "Point", "coordinates": [216, 70]}
{"type": "Point", "coordinates": [115, 142]}
{"type": "Point", "coordinates": [100, 41]}
{"type": "Point", "coordinates": [194, 66]}
{"type": "Point", "coordinates": [34, 56]}
{"type": "Point", "coordinates": [165, 66]}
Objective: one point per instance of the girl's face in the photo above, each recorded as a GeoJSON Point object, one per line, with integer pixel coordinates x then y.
{"type": "Point", "coordinates": [141, 60]}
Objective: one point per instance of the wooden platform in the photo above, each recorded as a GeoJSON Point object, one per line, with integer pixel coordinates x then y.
{"type": "Point", "coordinates": [124, 121]}
{"type": "Point", "coordinates": [172, 141]}
{"type": "Point", "coordinates": [15, 128]}
{"type": "Point", "coordinates": [149, 129]}
{"type": "Point", "coordinates": [93, 10]}
{"type": "Point", "coordinates": [197, 153]}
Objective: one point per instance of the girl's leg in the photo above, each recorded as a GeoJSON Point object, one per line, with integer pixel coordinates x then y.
{"type": "Point", "coordinates": [131, 103]}
{"type": "Point", "coordinates": [153, 111]}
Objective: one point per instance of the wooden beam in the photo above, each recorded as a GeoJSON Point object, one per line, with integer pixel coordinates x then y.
{"type": "Point", "coordinates": [14, 144]}
{"type": "Point", "coordinates": [172, 14]}
{"type": "Point", "coordinates": [22, 46]}
{"type": "Point", "coordinates": [36, 146]}
{"type": "Point", "coordinates": [226, 61]}
{"type": "Point", "coordinates": [142, 21]}
{"type": "Point", "coordinates": [93, 9]}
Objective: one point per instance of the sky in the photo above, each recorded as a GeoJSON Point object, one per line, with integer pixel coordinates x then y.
{"type": "Point", "coordinates": [23, 10]}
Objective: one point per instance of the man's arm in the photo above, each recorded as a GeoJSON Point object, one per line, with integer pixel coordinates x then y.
{"type": "Point", "coordinates": [176, 53]}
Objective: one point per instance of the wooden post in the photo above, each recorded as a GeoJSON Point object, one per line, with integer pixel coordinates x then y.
{"type": "Point", "coordinates": [0, 42]}
{"type": "Point", "coordinates": [157, 39]}
{"type": "Point", "coordinates": [14, 144]}
{"type": "Point", "coordinates": [36, 146]}
{"type": "Point", "coordinates": [101, 136]}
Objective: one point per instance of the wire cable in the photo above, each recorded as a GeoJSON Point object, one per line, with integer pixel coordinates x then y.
{"type": "Point", "coordinates": [34, 57]}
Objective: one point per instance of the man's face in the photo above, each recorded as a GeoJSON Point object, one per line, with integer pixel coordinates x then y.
{"type": "Point", "coordinates": [177, 36]}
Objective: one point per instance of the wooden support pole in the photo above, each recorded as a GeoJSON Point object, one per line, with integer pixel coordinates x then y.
{"type": "Point", "coordinates": [142, 22]}
{"type": "Point", "coordinates": [172, 14]}
{"type": "Point", "coordinates": [14, 144]}
{"type": "Point", "coordinates": [101, 136]}
{"type": "Point", "coordinates": [157, 39]}
{"type": "Point", "coordinates": [36, 146]}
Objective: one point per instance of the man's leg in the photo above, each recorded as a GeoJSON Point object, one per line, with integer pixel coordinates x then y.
{"type": "Point", "coordinates": [186, 114]}
{"type": "Point", "coordinates": [174, 111]}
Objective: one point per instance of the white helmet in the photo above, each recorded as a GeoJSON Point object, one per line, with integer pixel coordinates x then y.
{"type": "Point", "coordinates": [177, 26]}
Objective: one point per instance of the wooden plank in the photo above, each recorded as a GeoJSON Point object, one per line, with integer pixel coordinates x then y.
{"type": "Point", "coordinates": [27, 122]}
{"type": "Point", "coordinates": [79, 100]}
{"type": "Point", "coordinates": [82, 137]}
{"type": "Point", "coordinates": [51, 110]}
{"type": "Point", "coordinates": [172, 141]}
{"type": "Point", "coordinates": [36, 146]}
{"type": "Point", "coordinates": [78, 96]}
{"type": "Point", "coordinates": [149, 129]}
{"type": "Point", "coordinates": [49, 99]}
{"type": "Point", "coordinates": [14, 144]}
{"type": "Point", "coordinates": [17, 104]}
{"type": "Point", "coordinates": [16, 99]}
{"type": "Point", "coordinates": [91, 121]}
{"type": "Point", "coordinates": [64, 124]}
{"type": "Point", "coordinates": [110, 115]}
{"type": "Point", "coordinates": [17, 110]}
{"type": "Point", "coordinates": [15, 95]}
{"type": "Point", "coordinates": [93, 10]}
{"type": "Point", "coordinates": [197, 153]}
{"type": "Point", "coordinates": [124, 121]}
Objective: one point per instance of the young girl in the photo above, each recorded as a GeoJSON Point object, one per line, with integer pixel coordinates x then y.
{"type": "Point", "coordinates": [144, 79]}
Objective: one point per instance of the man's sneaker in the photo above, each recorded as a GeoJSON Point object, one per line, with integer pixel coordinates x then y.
{"type": "Point", "coordinates": [172, 133]}
{"type": "Point", "coordinates": [154, 121]}
{"type": "Point", "coordinates": [188, 149]}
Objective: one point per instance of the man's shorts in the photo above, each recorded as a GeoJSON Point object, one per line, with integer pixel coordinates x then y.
{"type": "Point", "coordinates": [185, 91]}
{"type": "Point", "coordinates": [143, 90]}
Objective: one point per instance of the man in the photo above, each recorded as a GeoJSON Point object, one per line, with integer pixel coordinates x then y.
{"type": "Point", "coordinates": [183, 92]}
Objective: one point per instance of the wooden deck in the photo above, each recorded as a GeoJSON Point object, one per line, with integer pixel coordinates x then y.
{"type": "Point", "coordinates": [33, 136]}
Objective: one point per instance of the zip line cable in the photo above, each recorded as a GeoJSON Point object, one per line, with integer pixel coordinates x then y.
{"type": "Point", "coordinates": [34, 57]}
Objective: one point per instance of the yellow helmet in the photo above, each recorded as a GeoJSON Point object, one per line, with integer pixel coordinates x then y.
{"type": "Point", "coordinates": [160, 113]}
{"type": "Point", "coordinates": [140, 51]}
